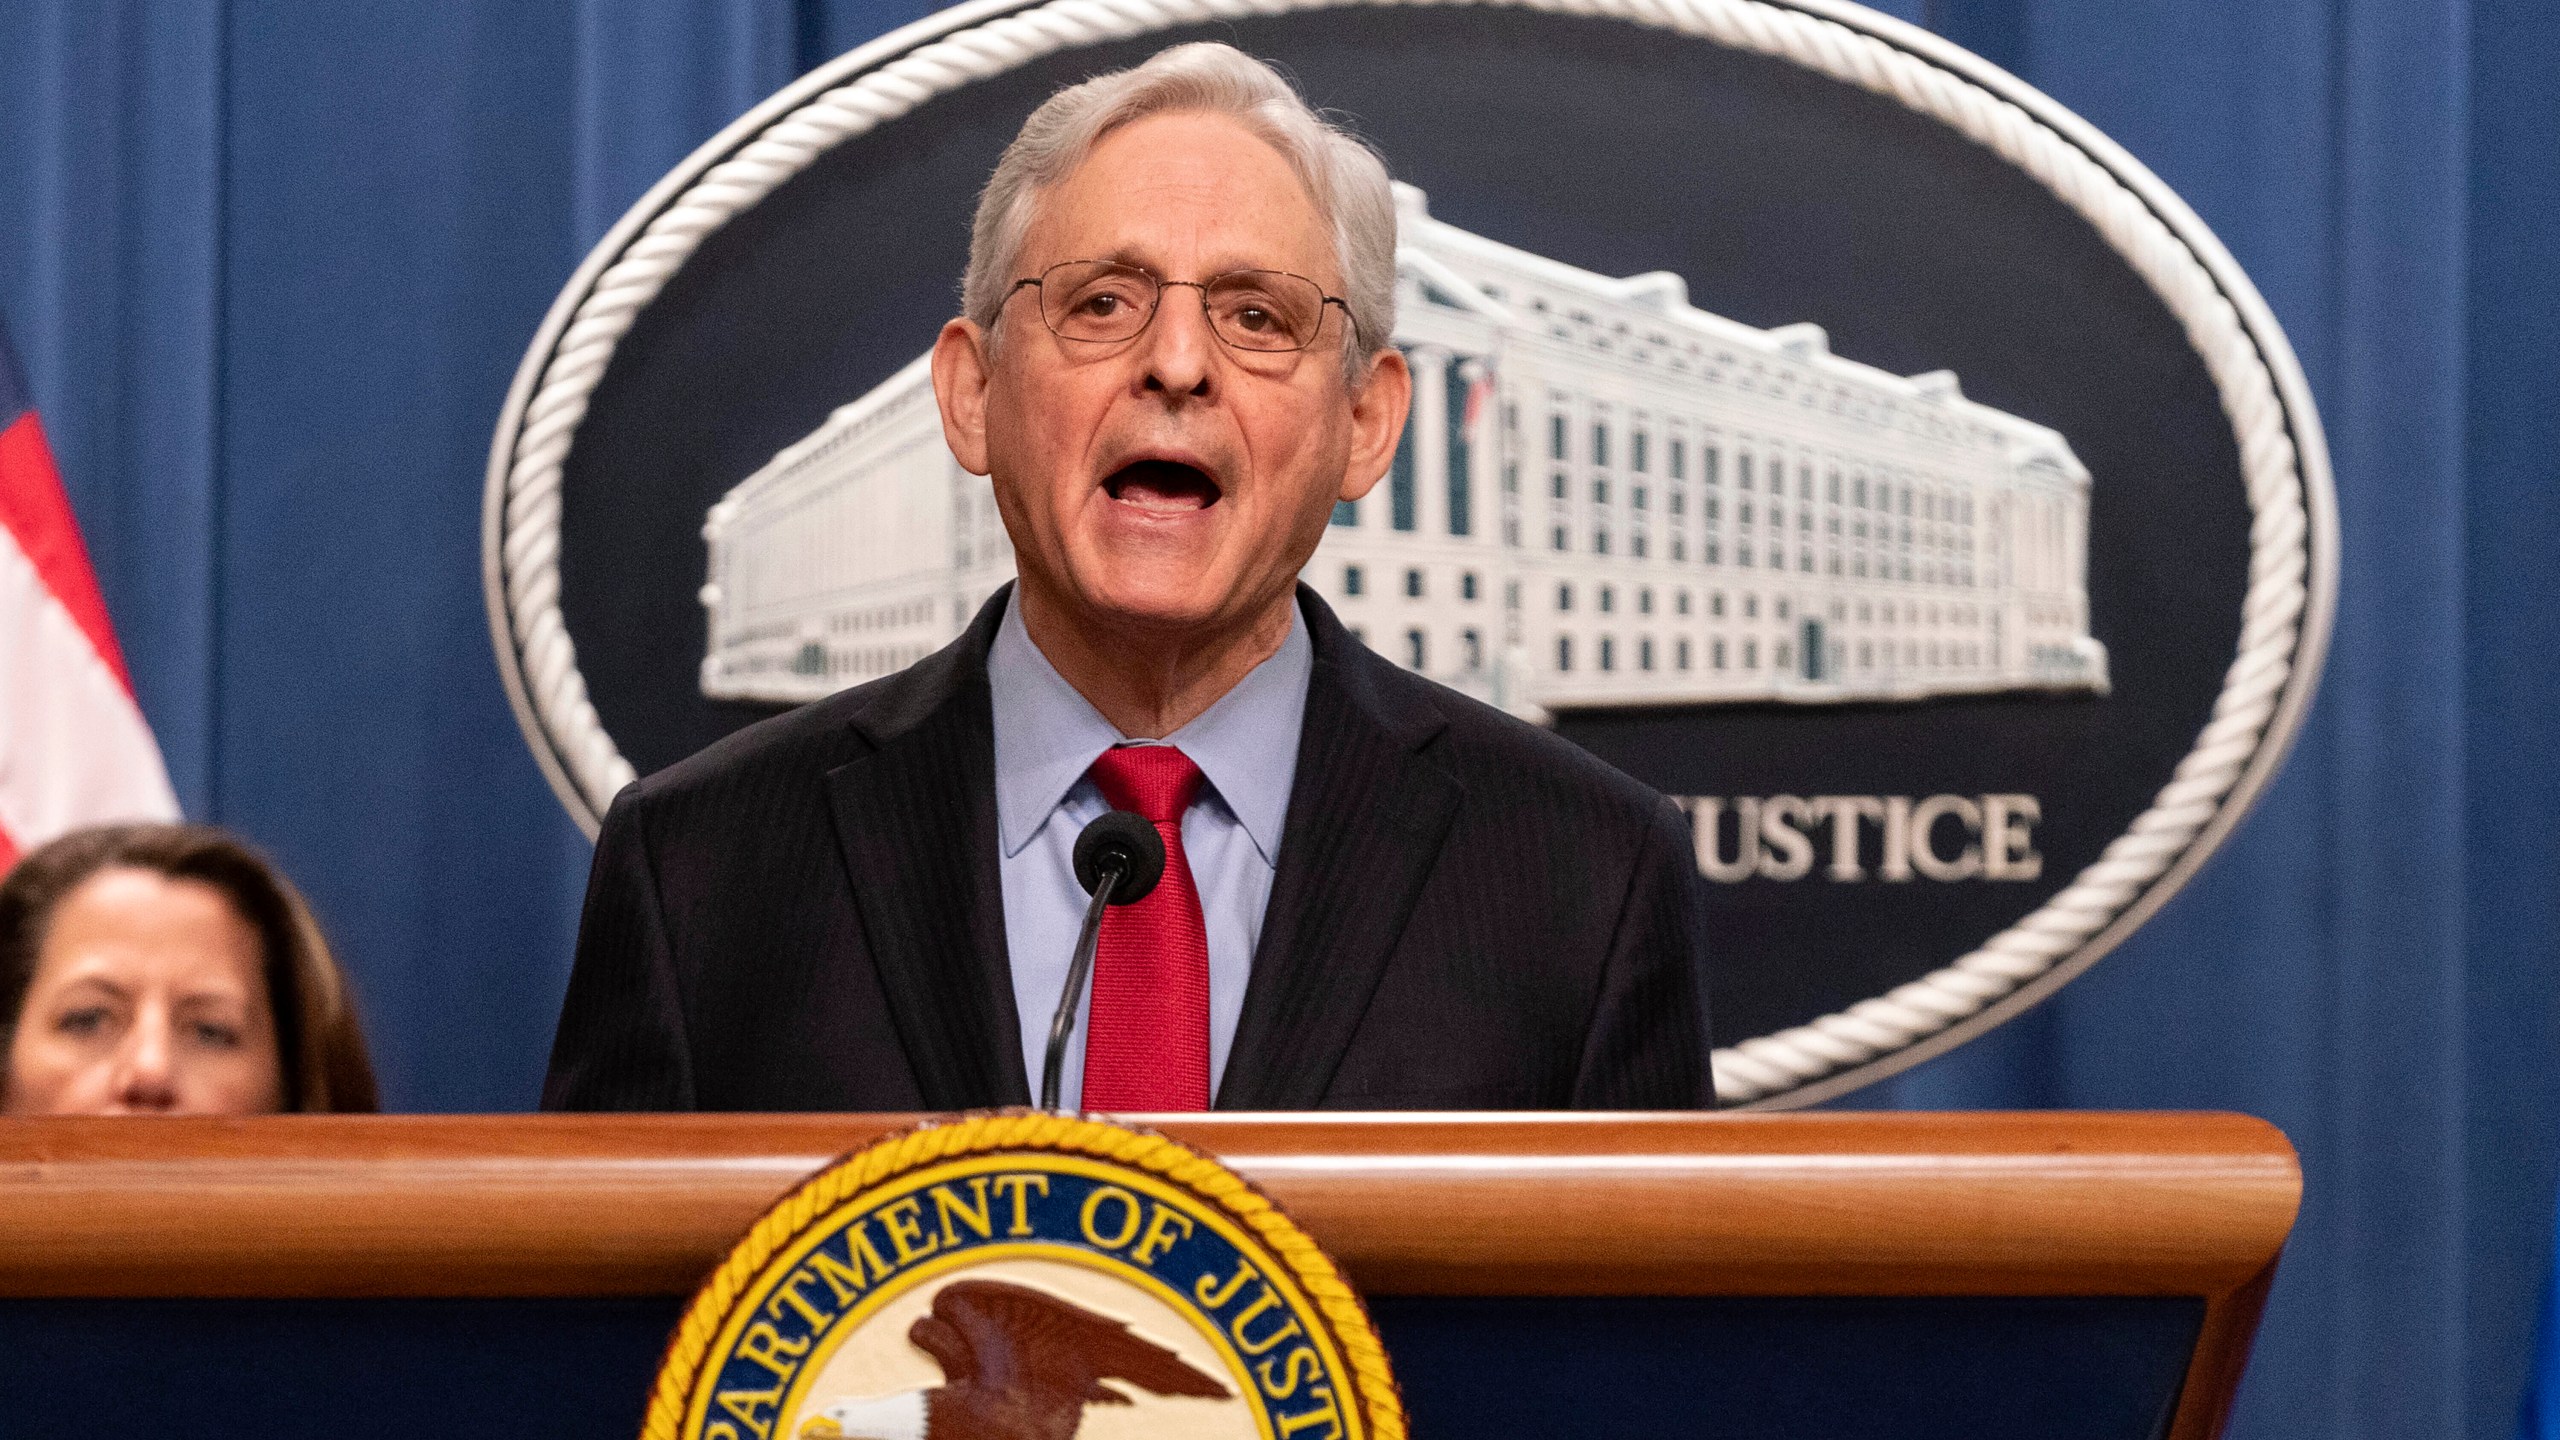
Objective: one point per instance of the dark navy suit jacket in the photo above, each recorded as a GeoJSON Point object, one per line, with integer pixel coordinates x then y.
{"type": "Point", "coordinates": [1468, 913]}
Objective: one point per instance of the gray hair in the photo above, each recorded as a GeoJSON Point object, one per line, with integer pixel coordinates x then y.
{"type": "Point", "coordinates": [1346, 179]}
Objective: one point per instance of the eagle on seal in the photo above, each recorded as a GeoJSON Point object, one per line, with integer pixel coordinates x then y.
{"type": "Point", "coordinates": [1017, 1364]}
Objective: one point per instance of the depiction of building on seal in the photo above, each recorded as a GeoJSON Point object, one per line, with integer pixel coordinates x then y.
{"type": "Point", "coordinates": [1604, 497]}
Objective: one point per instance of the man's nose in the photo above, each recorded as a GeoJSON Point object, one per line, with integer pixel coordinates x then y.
{"type": "Point", "coordinates": [146, 1077]}
{"type": "Point", "coordinates": [1181, 351]}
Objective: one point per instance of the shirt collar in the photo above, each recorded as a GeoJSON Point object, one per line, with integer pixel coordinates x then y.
{"type": "Point", "coordinates": [1047, 735]}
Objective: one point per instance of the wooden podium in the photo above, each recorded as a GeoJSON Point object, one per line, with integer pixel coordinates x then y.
{"type": "Point", "coordinates": [1885, 1275]}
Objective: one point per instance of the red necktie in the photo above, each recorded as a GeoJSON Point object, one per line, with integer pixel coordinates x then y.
{"type": "Point", "coordinates": [1147, 1035]}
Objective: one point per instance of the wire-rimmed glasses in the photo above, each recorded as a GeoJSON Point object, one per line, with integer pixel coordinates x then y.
{"type": "Point", "coordinates": [1104, 301]}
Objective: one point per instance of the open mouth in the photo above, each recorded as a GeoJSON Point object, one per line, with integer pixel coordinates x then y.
{"type": "Point", "coordinates": [1164, 485]}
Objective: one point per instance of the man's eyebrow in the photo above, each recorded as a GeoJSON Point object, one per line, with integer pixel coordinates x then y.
{"type": "Point", "coordinates": [1132, 258]}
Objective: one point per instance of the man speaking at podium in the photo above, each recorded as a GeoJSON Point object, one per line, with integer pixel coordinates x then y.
{"type": "Point", "coordinates": [1378, 894]}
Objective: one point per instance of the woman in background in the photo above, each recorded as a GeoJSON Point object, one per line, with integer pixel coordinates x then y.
{"type": "Point", "coordinates": [168, 969]}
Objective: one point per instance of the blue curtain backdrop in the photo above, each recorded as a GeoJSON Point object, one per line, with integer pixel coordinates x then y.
{"type": "Point", "coordinates": [271, 265]}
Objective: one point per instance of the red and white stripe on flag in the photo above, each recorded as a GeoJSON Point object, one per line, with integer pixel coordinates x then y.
{"type": "Point", "coordinates": [74, 748]}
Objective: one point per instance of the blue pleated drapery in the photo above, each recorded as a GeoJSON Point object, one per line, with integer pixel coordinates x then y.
{"type": "Point", "coordinates": [270, 267]}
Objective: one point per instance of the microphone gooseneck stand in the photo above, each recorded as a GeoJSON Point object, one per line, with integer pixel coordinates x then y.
{"type": "Point", "coordinates": [1119, 859]}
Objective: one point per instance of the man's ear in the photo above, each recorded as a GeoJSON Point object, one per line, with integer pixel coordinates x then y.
{"type": "Point", "coordinates": [1378, 406]}
{"type": "Point", "coordinates": [962, 371]}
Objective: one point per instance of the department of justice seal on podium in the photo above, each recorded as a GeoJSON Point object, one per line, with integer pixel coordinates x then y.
{"type": "Point", "coordinates": [1025, 1277]}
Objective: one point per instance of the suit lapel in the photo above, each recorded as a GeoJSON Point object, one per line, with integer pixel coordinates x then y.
{"type": "Point", "coordinates": [916, 823]}
{"type": "Point", "coordinates": [1366, 818]}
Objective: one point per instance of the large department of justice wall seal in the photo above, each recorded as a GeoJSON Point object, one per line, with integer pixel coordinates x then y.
{"type": "Point", "coordinates": [1810, 419]}
{"type": "Point", "coordinates": [1025, 1276]}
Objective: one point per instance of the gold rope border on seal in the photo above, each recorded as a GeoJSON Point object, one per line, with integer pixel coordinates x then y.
{"type": "Point", "coordinates": [935, 1141]}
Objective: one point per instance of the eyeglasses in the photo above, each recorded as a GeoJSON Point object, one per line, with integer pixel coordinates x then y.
{"type": "Point", "coordinates": [1103, 301]}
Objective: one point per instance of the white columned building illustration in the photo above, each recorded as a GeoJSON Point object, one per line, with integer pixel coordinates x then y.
{"type": "Point", "coordinates": [1604, 497]}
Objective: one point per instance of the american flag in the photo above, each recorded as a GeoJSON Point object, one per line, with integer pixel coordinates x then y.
{"type": "Point", "coordinates": [74, 748]}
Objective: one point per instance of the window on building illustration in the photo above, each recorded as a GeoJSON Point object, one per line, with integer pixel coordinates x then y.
{"type": "Point", "coordinates": [1557, 488]}
{"type": "Point", "coordinates": [1635, 497]}
{"type": "Point", "coordinates": [1599, 492]}
{"type": "Point", "coordinates": [1474, 644]}
{"type": "Point", "coordinates": [1511, 479]}
{"type": "Point", "coordinates": [1346, 512]}
{"type": "Point", "coordinates": [1635, 544]}
{"type": "Point", "coordinates": [1511, 596]}
{"type": "Point", "coordinates": [1679, 548]}
{"type": "Point", "coordinates": [1637, 444]}
{"type": "Point", "coordinates": [1608, 653]}
{"type": "Point", "coordinates": [1680, 603]}
{"type": "Point", "coordinates": [1644, 653]}
{"type": "Point", "coordinates": [1714, 551]}
{"type": "Point", "coordinates": [1413, 651]}
{"type": "Point", "coordinates": [1400, 483]}
{"type": "Point", "coordinates": [1866, 654]}
{"type": "Point", "coordinates": [1564, 597]}
{"type": "Point", "coordinates": [1351, 579]}
{"type": "Point", "coordinates": [1750, 654]}
{"type": "Point", "coordinates": [1742, 555]}
{"type": "Point", "coordinates": [1804, 561]}
{"type": "Point", "coordinates": [1745, 512]}
{"type": "Point", "coordinates": [1750, 607]}
{"type": "Point", "coordinates": [1716, 655]}
{"type": "Point", "coordinates": [1742, 470]}
{"type": "Point", "coordinates": [1707, 466]}
{"type": "Point", "coordinates": [1460, 416]}
{"type": "Point", "coordinates": [1511, 531]}
{"type": "Point", "coordinates": [1564, 652]}
{"type": "Point", "coordinates": [1832, 561]}
{"type": "Point", "coordinates": [1679, 503]}
{"type": "Point", "coordinates": [1413, 583]}
{"type": "Point", "coordinates": [1906, 503]}
{"type": "Point", "coordinates": [1679, 459]}
{"type": "Point", "coordinates": [1599, 444]}
{"type": "Point", "coordinates": [1555, 437]}
{"type": "Point", "coordinates": [1712, 509]}
{"type": "Point", "coordinates": [1467, 585]}
{"type": "Point", "coordinates": [1715, 603]}
{"type": "Point", "coordinates": [1783, 607]}
{"type": "Point", "coordinates": [1608, 600]}
{"type": "Point", "coordinates": [1831, 485]}
{"type": "Point", "coordinates": [1599, 542]}
{"type": "Point", "coordinates": [1562, 540]}
{"type": "Point", "coordinates": [1680, 655]}
{"type": "Point", "coordinates": [1858, 492]}
{"type": "Point", "coordinates": [1783, 657]}
{"type": "Point", "coordinates": [1644, 601]}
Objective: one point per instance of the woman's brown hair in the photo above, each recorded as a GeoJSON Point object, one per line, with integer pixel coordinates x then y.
{"type": "Point", "coordinates": [318, 1043]}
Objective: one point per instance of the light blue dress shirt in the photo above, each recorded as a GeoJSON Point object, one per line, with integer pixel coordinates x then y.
{"type": "Point", "coordinates": [1047, 736]}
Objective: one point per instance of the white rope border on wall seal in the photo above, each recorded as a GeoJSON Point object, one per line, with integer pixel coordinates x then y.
{"type": "Point", "coordinates": [2263, 691]}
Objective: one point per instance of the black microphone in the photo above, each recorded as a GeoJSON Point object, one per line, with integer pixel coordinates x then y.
{"type": "Point", "coordinates": [1119, 859]}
